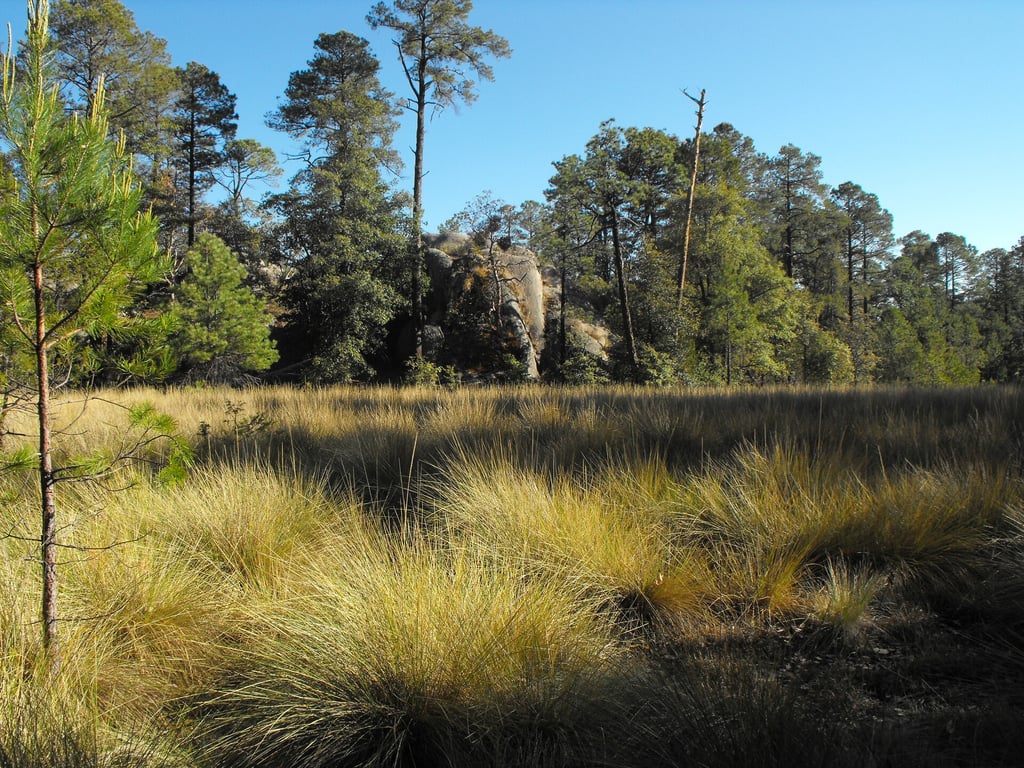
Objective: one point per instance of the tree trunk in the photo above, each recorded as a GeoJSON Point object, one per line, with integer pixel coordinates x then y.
{"type": "Point", "coordinates": [849, 274]}
{"type": "Point", "coordinates": [562, 295]}
{"type": "Point", "coordinates": [728, 360]}
{"type": "Point", "coordinates": [787, 251]}
{"type": "Point", "coordinates": [787, 256]}
{"type": "Point", "coordinates": [417, 202]}
{"type": "Point", "coordinates": [48, 527]}
{"type": "Point", "coordinates": [620, 273]}
{"type": "Point", "coordinates": [864, 280]}
{"type": "Point", "coordinates": [681, 281]}
{"type": "Point", "coordinates": [192, 181]}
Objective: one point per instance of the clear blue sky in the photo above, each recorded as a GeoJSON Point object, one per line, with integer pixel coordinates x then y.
{"type": "Point", "coordinates": [918, 101]}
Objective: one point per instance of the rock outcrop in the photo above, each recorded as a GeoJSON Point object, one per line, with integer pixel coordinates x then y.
{"type": "Point", "coordinates": [462, 328]}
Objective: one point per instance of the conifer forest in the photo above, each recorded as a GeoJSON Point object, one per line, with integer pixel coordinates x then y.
{"type": "Point", "coordinates": [693, 462]}
{"type": "Point", "coordinates": [701, 260]}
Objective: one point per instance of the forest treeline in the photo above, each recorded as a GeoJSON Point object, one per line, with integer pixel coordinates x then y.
{"type": "Point", "coordinates": [708, 260]}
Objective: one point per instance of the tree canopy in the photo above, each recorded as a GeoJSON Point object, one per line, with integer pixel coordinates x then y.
{"type": "Point", "coordinates": [701, 260]}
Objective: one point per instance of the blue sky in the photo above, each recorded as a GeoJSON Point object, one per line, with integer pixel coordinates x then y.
{"type": "Point", "coordinates": [918, 101]}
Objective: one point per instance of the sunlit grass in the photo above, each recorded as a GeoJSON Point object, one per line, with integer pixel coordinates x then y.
{"type": "Point", "coordinates": [413, 656]}
{"type": "Point", "coordinates": [582, 531]}
{"type": "Point", "coordinates": [383, 576]}
{"type": "Point", "coordinates": [842, 604]}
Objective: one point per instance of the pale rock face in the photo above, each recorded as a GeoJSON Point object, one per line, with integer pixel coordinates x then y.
{"type": "Point", "coordinates": [530, 295]}
{"type": "Point", "coordinates": [595, 339]}
{"type": "Point", "coordinates": [439, 267]}
{"type": "Point", "coordinates": [449, 242]}
{"type": "Point", "coordinates": [433, 338]}
{"type": "Point", "coordinates": [522, 266]}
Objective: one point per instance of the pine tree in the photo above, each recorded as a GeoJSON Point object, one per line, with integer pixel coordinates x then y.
{"type": "Point", "coordinates": [340, 222]}
{"type": "Point", "coordinates": [204, 120]}
{"type": "Point", "coordinates": [99, 39]}
{"type": "Point", "coordinates": [74, 249]}
{"type": "Point", "coordinates": [223, 328]}
{"type": "Point", "coordinates": [437, 47]}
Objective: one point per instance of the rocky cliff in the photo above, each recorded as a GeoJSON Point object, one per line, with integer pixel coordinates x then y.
{"type": "Point", "coordinates": [490, 310]}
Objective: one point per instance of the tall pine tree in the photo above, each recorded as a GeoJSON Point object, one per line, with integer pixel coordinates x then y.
{"type": "Point", "coordinates": [204, 120]}
{"type": "Point", "coordinates": [74, 249]}
{"type": "Point", "coordinates": [439, 50]}
{"type": "Point", "coordinates": [341, 223]}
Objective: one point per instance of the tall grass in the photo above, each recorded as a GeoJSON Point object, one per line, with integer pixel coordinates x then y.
{"type": "Point", "coordinates": [62, 721]}
{"type": "Point", "coordinates": [397, 577]}
{"type": "Point", "coordinates": [581, 532]}
{"type": "Point", "coordinates": [411, 656]}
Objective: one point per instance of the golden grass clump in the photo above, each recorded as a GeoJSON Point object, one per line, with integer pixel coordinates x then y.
{"type": "Point", "coordinates": [247, 521]}
{"type": "Point", "coordinates": [771, 516]}
{"type": "Point", "coordinates": [583, 531]}
{"type": "Point", "coordinates": [414, 656]}
{"type": "Point", "coordinates": [843, 601]}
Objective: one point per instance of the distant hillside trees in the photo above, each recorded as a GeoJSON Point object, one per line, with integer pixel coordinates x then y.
{"type": "Point", "coordinates": [843, 305]}
{"type": "Point", "coordinates": [788, 279]}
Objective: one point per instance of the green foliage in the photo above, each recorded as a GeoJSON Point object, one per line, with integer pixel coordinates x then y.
{"type": "Point", "coordinates": [149, 359]}
{"type": "Point", "coordinates": [866, 239]}
{"type": "Point", "coordinates": [146, 417]}
{"type": "Point", "coordinates": [72, 236]}
{"type": "Point", "coordinates": [514, 370]}
{"type": "Point", "coordinates": [1002, 302]}
{"type": "Point", "coordinates": [21, 459]}
{"type": "Point", "coordinates": [438, 49]}
{"type": "Point", "coordinates": [748, 309]}
{"type": "Point", "coordinates": [243, 162]}
{"type": "Point", "coordinates": [179, 460]}
{"type": "Point", "coordinates": [99, 38]}
{"type": "Point", "coordinates": [74, 252]}
{"type": "Point", "coordinates": [221, 324]}
{"type": "Point", "coordinates": [616, 211]}
{"type": "Point", "coordinates": [656, 369]}
{"type": "Point", "coordinates": [203, 120]}
{"type": "Point", "coordinates": [437, 44]}
{"type": "Point", "coordinates": [421, 372]}
{"type": "Point", "coordinates": [581, 368]}
{"type": "Point", "coordinates": [68, 171]}
{"type": "Point", "coordinates": [794, 192]}
{"type": "Point", "coordinates": [618, 194]}
{"type": "Point", "coordinates": [341, 224]}
{"type": "Point", "coordinates": [824, 358]}
{"type": "Point", "coordinates": [926, 338]}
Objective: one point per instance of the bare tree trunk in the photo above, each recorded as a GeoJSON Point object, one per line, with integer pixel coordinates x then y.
{"type": "Point", "coordinates": [562, 296]}
{"type": "Point", "coordinates": [48, 527]}
{"type": "Point", "coordinates": [849, 274]}
{"type": "Point", "coordinates": [864, 280]}
{"type": "Point", "coordinates": [787, 248]}
{"type": "Point", "coordinates": [417, 202]}
{"type": "Point", "coordinates": [620, 273]}
{"type": "Point", "coordinates": [681, 282]}
{"type": "Point", "coordinates": [728, 360]}
{"type": "Point", "coordinates": [192, 181]}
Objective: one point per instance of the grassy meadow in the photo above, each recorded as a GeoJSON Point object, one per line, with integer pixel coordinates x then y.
{"type": "Point", "coordinates": [528, 576]}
